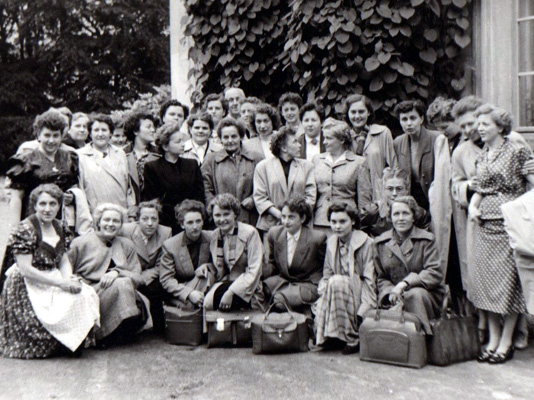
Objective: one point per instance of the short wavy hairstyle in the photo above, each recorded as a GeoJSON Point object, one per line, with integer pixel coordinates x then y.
{"type": "Point", "coordinates": [204, 117]}
{"type": "Point", "coordinates": [349, 209]}
{"type": "Point", "coordinates": [78, 115]}
{"type": "Point", "coordinates": [152, 204]}
{"type": "Point", "coordinates": [395, 173]}
{"type": "Point", "coordinates": [271, 112]}
{"type": "Point", "coordinates": [187, 206]}
{"type": "Point", "coordinates": [102, 118]}
{"type": "Point", "coordinates": [502, 118]}
{"type": "Point", "coordinates": [356, 98]}
{"type": "Point", "coordinates": [410, 202]}
{"type": "Point", "coordinates": [407, 106]}
{"type": "Point", "coordinates": [340, 130]}
{"type": "Point", "coordinates": [465, 105]}
{"type": "Point", "coordinates": [252, 100]}
{"type": "Point", "coordinates": [230, 121]}
{"type": "Point", "coordinates": [133, 123]}
{"type": "Point", "coordinates": [290, 97]}
{"type": "Point", "coordinates": [279, 139]}
{"type": "Point", "coordinates": [298, 205]}
{"type": "Point", "coordinates": [48, 188]}
{"type": "Point", "coordinates": [170, 103]}
{"type": "Point", "coordinates": [224, 201]}
{"type": "Point", "coordinates": [312, 107]}
{"type": "Point", "coordinates": [215, 97]}
{"type": "Point", "coordinates": [103, 207]}
{"type": "Point", "coordinates": [164, 134]}
{"type": "Point", "coordinates": [440, 110]}
{"type": "Point", "coordinates": [51, 119]}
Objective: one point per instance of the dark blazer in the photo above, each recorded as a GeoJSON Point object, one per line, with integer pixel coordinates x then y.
{"type": "Point", "coordinates": [176, 267]}
{"type": "Point", "coordinates": [425, 155]}
{"type": "Point", "coordinates": [302, 141]}
{"type": "Point", "coordinates": [171, 184]}
{"type": "Point", "coordinates": [308, 260]}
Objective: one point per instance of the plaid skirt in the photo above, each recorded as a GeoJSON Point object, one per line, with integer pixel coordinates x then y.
{"type": "Point", "coordinates": [336, 311]}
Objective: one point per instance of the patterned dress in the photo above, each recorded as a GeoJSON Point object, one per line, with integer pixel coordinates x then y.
{"type": "Point", "coordinates": [21, 333]}
{"type": "Point", "coordinates": [496, 285]}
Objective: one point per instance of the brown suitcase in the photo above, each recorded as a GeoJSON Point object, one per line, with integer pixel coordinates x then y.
{"type": "Point", "coordinates": [393, 337]}
{"type": "Point", "coordinates": [183, 326]}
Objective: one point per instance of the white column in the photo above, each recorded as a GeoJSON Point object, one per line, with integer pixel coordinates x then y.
{"type": "Point", "coordinates": [180, 63]}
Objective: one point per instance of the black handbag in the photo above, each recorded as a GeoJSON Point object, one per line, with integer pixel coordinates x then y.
{"type": "Point", "coordinates": [274, 333]}
{"type": "Point", "coordinates": [183, 326]}
{"type": "Point", "coordinates": [393, 337]}
{"type": "Point", "coordinates": [455, 338]}
{"type": "Point", "coordinates": [229, 329]}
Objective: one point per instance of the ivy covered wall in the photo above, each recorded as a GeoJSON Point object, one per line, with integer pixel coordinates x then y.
{"type": "Point", "coordinates": [389, 50]}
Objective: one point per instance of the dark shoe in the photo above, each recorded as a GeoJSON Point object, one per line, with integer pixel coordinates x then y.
{"type": "Point", "coordinates": [351, 349]}
{"type": "Point", "coordinates": [501, 358]}
{"type": "Point", "coordinates": [485, 355]}
{"type": "Point", "coordinates": [521, 341]}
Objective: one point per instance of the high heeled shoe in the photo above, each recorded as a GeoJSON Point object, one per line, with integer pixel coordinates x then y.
{"type": "Point", "coordinates": [501, 358]}
{"type": "Point", "coordinates": [485, 355]}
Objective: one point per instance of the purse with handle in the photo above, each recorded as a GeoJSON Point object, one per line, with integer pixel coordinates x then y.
{"type": "Point", "coordinates": [274, 333]}
{"type": "Point", "coordinates": [393, 337]}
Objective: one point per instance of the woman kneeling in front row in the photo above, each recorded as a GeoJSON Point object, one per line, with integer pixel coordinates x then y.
{"type": "Point", "coordinates": [407, 264]}
{"type": "Point", "coordinates": [347, 289]}
{"type": "Point", "coordinates": [237, 254]}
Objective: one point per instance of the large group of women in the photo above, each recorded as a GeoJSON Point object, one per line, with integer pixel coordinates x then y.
{"type": "Point", "coordinates": [242, 205]}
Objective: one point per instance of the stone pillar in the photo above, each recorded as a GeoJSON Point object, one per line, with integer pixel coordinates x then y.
{"type": "Point", "coordinates": [180, 63]}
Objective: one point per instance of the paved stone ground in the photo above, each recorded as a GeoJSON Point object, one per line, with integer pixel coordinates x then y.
{"type": "Point", "coordinates": [152, 369]}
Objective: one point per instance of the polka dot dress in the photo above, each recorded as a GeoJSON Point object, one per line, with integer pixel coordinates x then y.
{"type": "Point", "coordinates": [496, 286]}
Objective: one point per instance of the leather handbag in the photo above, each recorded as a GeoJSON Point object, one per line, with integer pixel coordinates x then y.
{"type": "Point", "coordinates": [455, 338]}
{"type": "Point", "coordinates": [183, 326]}
{"type": "Point", "coordinates": [229, 329]}
{"type": "Point", "coordinates": [393, 337]}
{"type": "Point", "coordinates": [274, 333]}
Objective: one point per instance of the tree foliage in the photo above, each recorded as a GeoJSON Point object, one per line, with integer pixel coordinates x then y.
{"type": "Point", "coordinates": [388, 49]}
{"type": "Point", "coordinates": [86, 54]}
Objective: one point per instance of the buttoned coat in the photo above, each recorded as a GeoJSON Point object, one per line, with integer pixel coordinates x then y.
{"type": "Point", "coordinates": [225, 174]}
{"type": "Point", "coordinates": [306, 268]}
{"type": "Point", "coordinates": [176, 269]}
{"type": "Point", "coordinates": [415, 261]}
{"type": "Point", "coordinates": [361, 268]}
{"type": "Point", "coordinates": [346, 180]}
{"type": "Point", "coordinates": [379, 153]}
{"type": "Point", "coordinates": [425, 156]}
{"type": "Point", "coordinates": [271, 189]}
{"type": "Point", "coordinates": [148, 253]}
{"type": "Point", "coordinates": [104, 180]}
{"type": "Point", "coordinates": [245, 274]}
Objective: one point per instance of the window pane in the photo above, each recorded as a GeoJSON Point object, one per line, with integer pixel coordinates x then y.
{"type": "Point", "coordinates": [526, 100]}
{"type": "Point", "coordinates": [526, 8]}
{"type": "Point", "coordinates": [526, 46]}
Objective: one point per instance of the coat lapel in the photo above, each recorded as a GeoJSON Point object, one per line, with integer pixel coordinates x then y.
{"type": "Point", "coordinates": [395, 249]}
{"type": "Point", "coordinates": [302, 247]}
{"type": "Point", "coordinates": [186, 265]}
{"type": "Point", "coordinates": [278, 170]}
{"type": "Point", "coordinates": [140, 247]}
{"type": "Point", "coordinates": [281, 249]}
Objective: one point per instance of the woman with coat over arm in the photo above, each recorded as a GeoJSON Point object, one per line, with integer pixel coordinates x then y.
{"type": "Point", "coordinates": [171, 178]}
{"type": "Point", "coordinates": [341, 175]}
{"type": "Point", "coordinates": [407, 265]}
{"type": "Point", "coordinates": [237, 254]}
{"type": "Point", "coordinates": [295, 257]}
{"type": "Point", "coordinates": [231, 170]}
{"type": "Point", "coordinates": [348, 288]}
{"type": "Point", "coordinates": [109, 263]}
{"type": "Point", "coordinates": [283, 176]}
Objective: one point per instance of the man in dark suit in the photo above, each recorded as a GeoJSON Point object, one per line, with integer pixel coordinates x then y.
{"type": "Point", "coordinates": [311, 143]}
{"type": "Point", "coordinates": [148, 236]}
{"type": "Point", "coordinates": [185, 267]}
{"type": "Point", "coordinates": [295, 257]}
{"type": "Point", "coordinates": [415, 149]}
